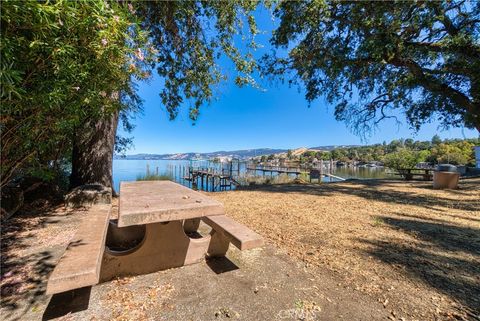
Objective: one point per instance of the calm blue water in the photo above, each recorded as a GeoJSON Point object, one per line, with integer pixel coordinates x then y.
{"type": "Point", "coordinates": [129, 170]}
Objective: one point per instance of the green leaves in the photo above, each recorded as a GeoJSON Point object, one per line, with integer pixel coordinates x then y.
{"type": "Point", "coordinates": [402, 159]}
{"type": "Point", "coordinates": [189, 38]}
{"type": "Point", "coordinates": [421, 58]}
{"type": "Point", "coordinates": [63, 63]}
{"type": "Point", "coordinates": [8, 80]}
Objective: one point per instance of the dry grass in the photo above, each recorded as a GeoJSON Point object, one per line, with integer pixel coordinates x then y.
{"type": "Point", "coordinates": [415, 249]}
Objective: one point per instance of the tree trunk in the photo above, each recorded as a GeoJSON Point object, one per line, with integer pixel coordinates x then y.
{"type": "Point", "coordinates": [92, 157]}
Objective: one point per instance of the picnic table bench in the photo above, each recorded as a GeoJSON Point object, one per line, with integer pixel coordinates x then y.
{"type": "Point", "coordinates": [150, 235]}
{"type": "Point", "coordinates": [410, 173]}
{"type": "Point", "coordinates": [80, 264]}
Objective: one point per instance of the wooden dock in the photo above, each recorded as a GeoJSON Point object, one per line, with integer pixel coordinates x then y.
{"type": "Point", "coordinates": [218, 176]}
{"type": "Point", "coordinates": [210, 180]}
{"type": "Point", "coordinates": [278, 170]}
{"type": "Point", "coordinates": [314, 173]}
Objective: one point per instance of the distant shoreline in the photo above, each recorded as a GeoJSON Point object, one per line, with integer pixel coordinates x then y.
{"type": "Point", "coordinates": [243, 154]}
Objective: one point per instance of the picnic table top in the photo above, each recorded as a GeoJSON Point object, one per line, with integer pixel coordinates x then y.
{"type": "Point", "coordinates": [145, 202]}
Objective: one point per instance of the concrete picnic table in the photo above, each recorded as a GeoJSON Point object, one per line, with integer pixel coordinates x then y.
{"type": "Point", "coordinates": [408, 173]}
{"type": "Point", "coordinates": [156, 230]}
{"type": "Point", "coordinates": [168, 212]}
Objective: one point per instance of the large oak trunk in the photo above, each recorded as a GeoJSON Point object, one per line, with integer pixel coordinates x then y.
{"type": "Point", "coordinates": [92, 157]}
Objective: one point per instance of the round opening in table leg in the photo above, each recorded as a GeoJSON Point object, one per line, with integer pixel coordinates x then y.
{"type": "Point", "coordinates": [196, 229]}
{"type": "Point", "coordinates": [124, 240]}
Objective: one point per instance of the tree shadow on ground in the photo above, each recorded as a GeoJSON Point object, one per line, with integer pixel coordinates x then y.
{"type": "Point", "coordinates": [24, 270]}
{"type": "Point", "coordinates": [433, 258]}
{"type": "Point", "coordinates": [382, 191]}
{"type": "Point", "coordinates": [67, 302]}
{"type": "Point", "coordinates": [24, 279]}
{"type": "Point", "coordinates": [439, 220]}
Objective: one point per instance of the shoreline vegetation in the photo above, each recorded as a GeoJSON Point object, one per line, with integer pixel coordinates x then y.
{"type": "Point", "coordinates": [399, 153]}
{"type": "Point", "coordinates": [389, 159]}
{"type": "Point", "coordinates": [151, 176]}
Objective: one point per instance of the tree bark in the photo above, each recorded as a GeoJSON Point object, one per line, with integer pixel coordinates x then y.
{"type": "Point", "coordinates": [92, 156]}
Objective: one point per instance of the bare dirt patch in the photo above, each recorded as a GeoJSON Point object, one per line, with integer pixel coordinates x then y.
{"type": "Point", "coordinates": [414, 249]}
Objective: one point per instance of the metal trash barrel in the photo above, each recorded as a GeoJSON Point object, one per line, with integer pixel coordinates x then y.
{"type": "Point", "coordinates": [446, 176]}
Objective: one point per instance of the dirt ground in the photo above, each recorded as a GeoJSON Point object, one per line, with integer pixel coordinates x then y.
{"type": "Point", "coordinates": [365, 250]}
{"type": "Point", "coordinates": [414, 249]}
{"type": "Point", "coordinates": [259, 284]}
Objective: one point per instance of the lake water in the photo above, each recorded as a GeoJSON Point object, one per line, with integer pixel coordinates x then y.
{"type": "Point", "coordinates": [130, 170]}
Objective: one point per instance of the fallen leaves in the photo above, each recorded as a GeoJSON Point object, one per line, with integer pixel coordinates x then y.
{"type": "Point", "coordinates": [128, 301]}
{"type": "Point", "coordinates": [380, 236]}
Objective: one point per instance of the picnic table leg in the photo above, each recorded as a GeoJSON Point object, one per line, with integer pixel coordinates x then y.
{"type": "Point", "coordinates": [164, 246]}
{"type": "Point", "coordinates": [219, 244]}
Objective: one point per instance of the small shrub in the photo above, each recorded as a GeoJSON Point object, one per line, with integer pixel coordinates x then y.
{"type": "Point", "coordinates": [403, 158]}
{"type": "Point", "coordinates": [270, 180]}
{"type": "Point", "coordinates": [377, 221]}
{"type": "Point", "coordinates": [153, 177]}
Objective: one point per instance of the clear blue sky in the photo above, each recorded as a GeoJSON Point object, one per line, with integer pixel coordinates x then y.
{"type": "Point", "coordinates": [245, 118]}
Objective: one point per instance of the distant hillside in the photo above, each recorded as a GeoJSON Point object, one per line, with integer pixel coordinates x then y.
{"type": "Point", "coordinates": [241, 154]}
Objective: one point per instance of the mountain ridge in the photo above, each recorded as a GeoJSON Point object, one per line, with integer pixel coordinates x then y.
{"type": "Point", "coordinates": [240, 154]}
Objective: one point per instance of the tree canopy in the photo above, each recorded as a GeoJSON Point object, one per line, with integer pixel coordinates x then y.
{"type": "Point", "coordinates": [68, 64]}
{"type": "Point", "coordinates": [399, 153]}
{"type": "Point", "coordinates": [374, 59]}
{"type": "Point", "coordinates": [63, 64]}
{"type": "Point", "coordinates": [189, 39]}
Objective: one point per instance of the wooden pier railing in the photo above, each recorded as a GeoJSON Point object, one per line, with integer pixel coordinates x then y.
{"type": "Point", "coordinates": [225, 176]}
